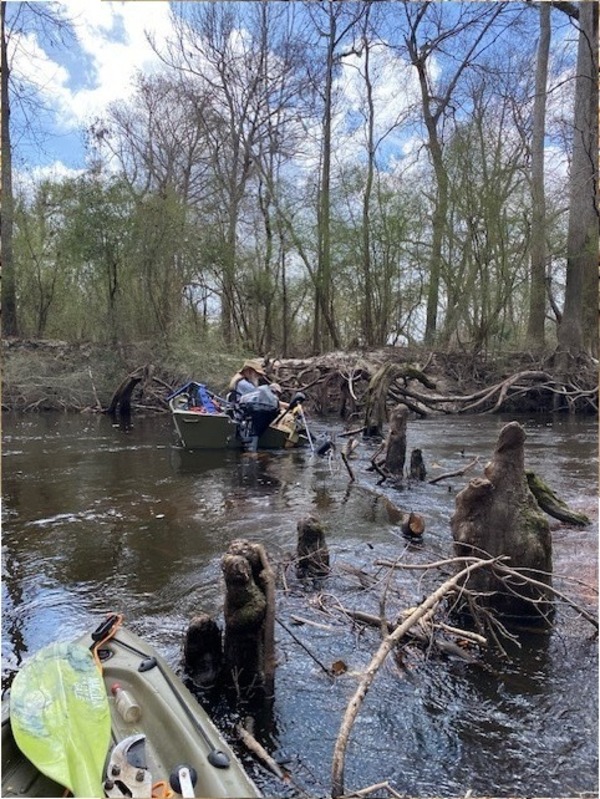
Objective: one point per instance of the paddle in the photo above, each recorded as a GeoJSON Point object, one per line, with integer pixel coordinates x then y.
{"type": "Point", "coordinates": [60, 717]}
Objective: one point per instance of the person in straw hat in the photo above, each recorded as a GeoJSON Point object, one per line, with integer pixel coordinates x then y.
{"type": "Point", "coordinates": [248, 377]}
{"type": "Point", "coordinates": [258, 404]}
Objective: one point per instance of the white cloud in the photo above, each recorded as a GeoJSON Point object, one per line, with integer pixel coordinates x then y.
{"type": "Point", "coordinates": [395, 95]}
{"type": "Point", "coordinates": [24, 182]}
{"type": "Point", "coordinates": [111, 47]}
{"type": "Point", "coordinates": [116, 58]}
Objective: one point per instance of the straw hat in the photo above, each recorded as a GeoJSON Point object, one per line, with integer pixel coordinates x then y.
{"type": "Point", "coordinates": [254, 364]}
{"type": "Point", "coordinates": [275, 388]}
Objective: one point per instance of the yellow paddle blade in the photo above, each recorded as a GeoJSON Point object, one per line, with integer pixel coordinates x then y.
{"type": "Point", "coordinates": [60, 717]}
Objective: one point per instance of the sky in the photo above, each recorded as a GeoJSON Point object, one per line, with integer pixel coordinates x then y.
{"type": "Point", "coordinates": [79, 78]}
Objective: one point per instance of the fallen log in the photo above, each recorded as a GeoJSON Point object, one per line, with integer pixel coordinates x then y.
{"type": "Point", "coordinates": [389, 642]}
{"type": "Point", "coordinates": [456, 472]}
{"type": "Point", "coordinates": [551, 504]}
{"type": "Point", "coordinates": [257, 749]}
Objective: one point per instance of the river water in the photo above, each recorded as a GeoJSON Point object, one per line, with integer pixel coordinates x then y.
{"type": "Point", "coordinates": [99, 517]}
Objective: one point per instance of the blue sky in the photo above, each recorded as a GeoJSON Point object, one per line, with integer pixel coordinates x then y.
{"type": "Point", "coordinates": [97, 65]}
{"type": "Point", "coordinates": [79, 78]}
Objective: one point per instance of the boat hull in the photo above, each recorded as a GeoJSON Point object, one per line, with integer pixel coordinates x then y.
{"type": "Point", "coordinates": [176, 728]}
{"type": "Point", "coordinates": [218, 431]}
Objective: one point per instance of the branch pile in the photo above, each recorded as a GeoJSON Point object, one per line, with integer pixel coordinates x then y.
{"type": "Point", "coordinates": [426, 630]}
{"type": "Point", "coordinates": [348, 383]}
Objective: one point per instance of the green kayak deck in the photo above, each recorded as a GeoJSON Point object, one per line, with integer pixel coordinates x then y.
{"type": "Point", "coordinates": [172, 731]}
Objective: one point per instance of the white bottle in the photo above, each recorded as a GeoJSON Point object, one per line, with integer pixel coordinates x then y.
{"type": "Point", "coordinates": [128, 708]}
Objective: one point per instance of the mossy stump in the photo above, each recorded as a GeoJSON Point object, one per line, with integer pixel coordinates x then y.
{"type": "Point", "coordinates": [312, 552]}
{"type": "Point", "coordinates": [497, 514]}
{"type": "Point", "coordinates": [249, 611]}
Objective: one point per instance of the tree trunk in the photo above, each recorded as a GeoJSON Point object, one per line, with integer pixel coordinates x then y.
{"type": "Point", "coordinates": [9, 291]}
{"type": "Point", "coordinates": [537, 290]}
{"type": "Point", "coordinates": [580, 309]}
{"type": "Point", "coordinates": [368, 326]}
{"type": "Point", "coordinates": [395, 447]}
{"type": "Point", "coordinates": [323, 282]}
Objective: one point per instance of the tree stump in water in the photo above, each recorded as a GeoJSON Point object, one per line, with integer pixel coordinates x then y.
{"type": "Point", "coordinates": [312, 551]}
{"type": "Point", "coordinates": [249, 617]}
{"type": "Point", "coordinates": [375, 410]}
{"type": "Point", "coordinates": [413, 525]}
{"type": "Point", "coordinates": [395, 448]}
{"type": "Point", "coordinates": [121, 399]}
{"type": "Point", "coordinates": [497, 514]}
{"type": "Point", "coordinates": [417, 466]}
{"type": "Point", "coordinates": [202, 651]}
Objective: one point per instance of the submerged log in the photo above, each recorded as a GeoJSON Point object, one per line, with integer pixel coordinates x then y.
{"type": "Point", "coordinates": [312, 551]}
{"type": "Point", "coordinates": [551, 504]}
{"type": "Point", "coordinates": [497, 514]}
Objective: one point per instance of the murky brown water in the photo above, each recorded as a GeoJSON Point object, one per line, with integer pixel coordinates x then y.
{"type": "Point", "coordinates": [99, 518]}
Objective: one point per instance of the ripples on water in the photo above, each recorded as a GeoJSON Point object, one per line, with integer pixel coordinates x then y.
{"type": "Point", "coordinates": [99, 518]}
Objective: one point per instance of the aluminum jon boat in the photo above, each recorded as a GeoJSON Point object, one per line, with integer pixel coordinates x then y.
{"type": "Point", "coordinates": [148, 737]}
{"type": "Point", "coordinates": [205, 421]}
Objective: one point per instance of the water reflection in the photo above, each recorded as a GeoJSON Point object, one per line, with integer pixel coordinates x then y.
{"type": "Point", "coordinates": [99, 518]}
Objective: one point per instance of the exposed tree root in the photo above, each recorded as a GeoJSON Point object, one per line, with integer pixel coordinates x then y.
{"type": "Point", "coordinates": [367, 384]}
{"type": "Point", "coordinates": [551, 504]}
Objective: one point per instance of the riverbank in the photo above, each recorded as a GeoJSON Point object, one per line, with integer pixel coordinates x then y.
{"type": "Point", "coordinates": [45, 375]}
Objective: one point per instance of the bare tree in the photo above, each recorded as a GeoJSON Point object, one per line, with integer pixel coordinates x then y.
{"type": "Point", "coordinates": [338, 21]}
{"type": "Point", "coordinates": [9, 293]}
{"type": "Point", "coordinates": [26, 17]}
{"type": "Point", "coordinates": [537, 290]}
{"type": "Point", "coordinates": [578, 330]}
{"type": "Point", "coordinates": [429, 32]}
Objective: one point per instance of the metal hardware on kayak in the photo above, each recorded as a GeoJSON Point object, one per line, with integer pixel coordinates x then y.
{"type": "Point", "coordinates": [104, 629]}
{"type": "Point", "coordinates": [215, 757]}
{"type": "Point", "coordinates": [127, 773]}
{"type": "Point", "coordinates": [147, 664]}
{"type": "Point", "coordinates": [182, 781]}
